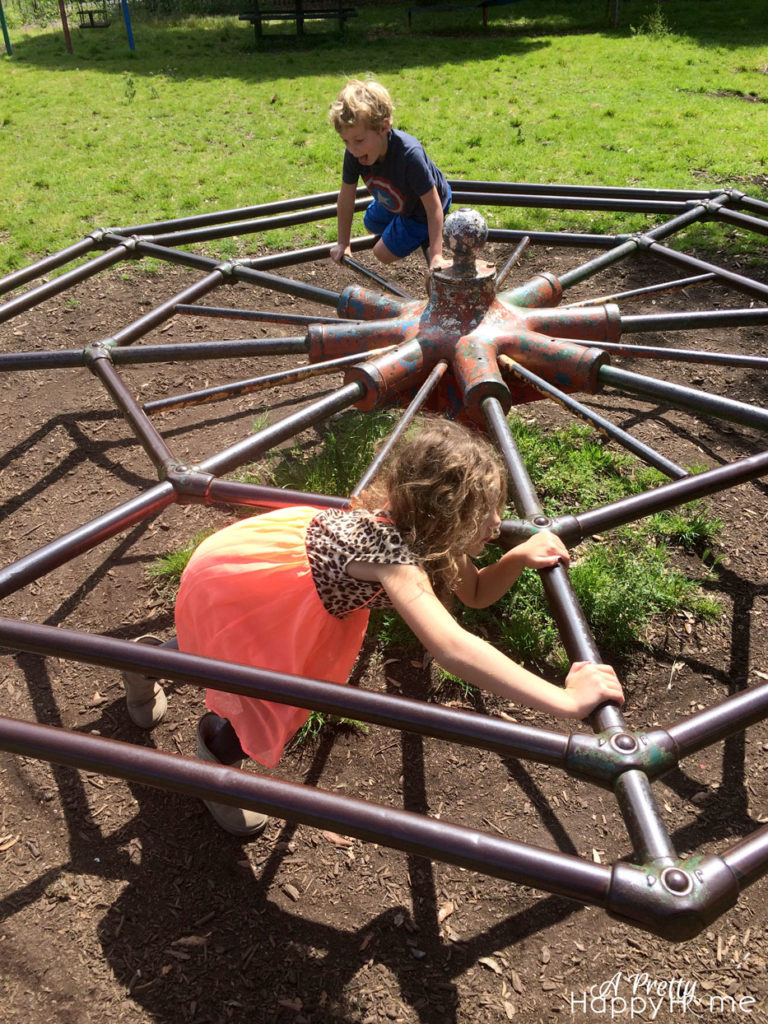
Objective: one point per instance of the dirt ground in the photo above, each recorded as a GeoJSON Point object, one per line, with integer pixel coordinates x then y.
{"type": "Point", "coordinates": [124, 903]}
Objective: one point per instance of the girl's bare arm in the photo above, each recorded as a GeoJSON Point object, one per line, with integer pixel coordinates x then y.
{"type": "Point", "coordinates": [479, 663]}
{"type": "Point", "coordinates": [478, 588]}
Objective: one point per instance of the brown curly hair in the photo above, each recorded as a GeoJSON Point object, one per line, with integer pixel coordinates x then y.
{"type": "Point", "coordinates": [439, 485]}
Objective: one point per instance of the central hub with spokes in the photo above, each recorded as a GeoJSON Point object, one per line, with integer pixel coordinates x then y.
{"type": "Point", "coordinates": [466, 325]}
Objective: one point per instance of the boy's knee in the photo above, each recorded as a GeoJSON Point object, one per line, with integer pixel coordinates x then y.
{"type": "Point", "coordinates": [382, 253]}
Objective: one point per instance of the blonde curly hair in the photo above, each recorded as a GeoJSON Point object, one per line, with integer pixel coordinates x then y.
{"type": "Point", "coordinates": [365, 102]}
{"type": "Point", "coordinates": [440, 485]}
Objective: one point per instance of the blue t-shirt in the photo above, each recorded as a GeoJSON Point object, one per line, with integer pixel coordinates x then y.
{"type": "Point", "coordinates": [400, 179]}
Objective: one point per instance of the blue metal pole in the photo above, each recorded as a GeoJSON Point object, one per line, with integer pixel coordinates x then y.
{"type": "Point", "coordinates": [6, 37]}
{"type": "Point", "coordinates": [127, 20]}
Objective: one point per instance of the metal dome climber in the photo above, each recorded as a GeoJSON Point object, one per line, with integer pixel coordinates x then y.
{"type": "Point", "coordinates": [470, 349]}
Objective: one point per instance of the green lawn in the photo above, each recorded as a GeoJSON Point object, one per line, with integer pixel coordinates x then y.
{"type": "Point", "coordinates": [198, 119]}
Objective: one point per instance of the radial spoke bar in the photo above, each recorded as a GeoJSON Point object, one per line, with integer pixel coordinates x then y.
{"type": "Point", "coordinates": [611, 431]}
{"type": "Point", "coordinates": [227, 313]}
{"type": "Point", "coordinates": [254, 447]}
{"type": "Point", "coordinates": [737, 281]}
{"type": "Point", "coordinates": [651, 289]}
{"type": "Point", "coordinates": [127, 335]}
{"type": "Point", "coordinates": [512, 262]}
{"type": "Point", "coordinates": [694, 319]}
{"type": "Point", "coordinates": [681, 355]}
{"type": "Point", "coordinates": [686, 398]}
{"type": "Point", "coordinates": [377, 278]}
{"type": "Point", "coordinates": [419, 399]}
{"type": "Point", "coordinates": [270, 380]}
{"type": "Point", "coordinates": [198, 350]}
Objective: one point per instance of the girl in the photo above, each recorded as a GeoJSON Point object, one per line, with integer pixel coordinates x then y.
{"type": "Point", "coordinates": [291, 591]}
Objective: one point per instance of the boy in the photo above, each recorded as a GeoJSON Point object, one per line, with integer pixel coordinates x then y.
{"type": "Point", "coordinates": [410, 194]}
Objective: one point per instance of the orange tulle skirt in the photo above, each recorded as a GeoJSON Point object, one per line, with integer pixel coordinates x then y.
{"type": "Point", "coordinates": [247, 596]}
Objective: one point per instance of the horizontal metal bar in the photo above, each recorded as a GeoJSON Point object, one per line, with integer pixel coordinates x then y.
{"type": "Point", "coordinates": [599, 191]}
{"type": "Point", "coordinates": [561, 238]}
{"type": "Point", "coordinates": [418, 716]}
{"type": "Point", "coordinates": [677, 492]}
{"type": "Point", "coordinates": [235, 492]}
{"type": "Point", "coordinates": [242, 213]}
{"type": "Point", "coordinates": [554, 201]}
{"type": "Point", "coordinates": [41, 360]}
{"type": "Point", "coordinates": [413, 833]}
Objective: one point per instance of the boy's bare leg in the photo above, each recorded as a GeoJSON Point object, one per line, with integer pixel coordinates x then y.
{"type": "Point", "coordinates": [382, 253]}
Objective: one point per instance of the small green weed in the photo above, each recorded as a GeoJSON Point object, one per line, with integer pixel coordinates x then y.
{"type": "Point", "coordinates": [653, 24]}
{"type": "Point", "coordinates": [165, 572]}
{"type": "Point", "coordinates": [334, 467]}
{"type": "Point", "coordinates": [319, 722]}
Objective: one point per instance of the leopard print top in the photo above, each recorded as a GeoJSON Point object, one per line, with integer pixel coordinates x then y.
{"type": "Point", "coordinates": [334, 539]}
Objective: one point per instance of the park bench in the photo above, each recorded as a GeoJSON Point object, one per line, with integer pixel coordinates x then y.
{"type": "Point", "coordinates": [93, 13]}
{"type": "Point", "coordinates": [298, 11]}
{"type": "Point", "coordinates": [483, 5]}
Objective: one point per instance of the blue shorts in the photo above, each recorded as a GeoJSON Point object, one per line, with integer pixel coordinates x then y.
{"type": "Point", "coordinates": [401, 235]}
